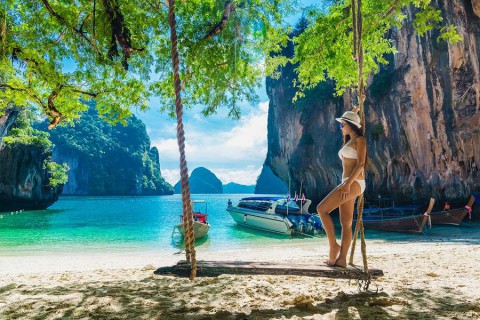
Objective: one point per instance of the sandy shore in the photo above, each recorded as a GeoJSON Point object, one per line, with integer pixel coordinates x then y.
{"type": "Point", "coordinates": [423, 280]}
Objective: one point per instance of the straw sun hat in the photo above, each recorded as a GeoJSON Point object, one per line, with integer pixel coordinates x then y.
{"type": "Point", "coordinates": [351, 117]}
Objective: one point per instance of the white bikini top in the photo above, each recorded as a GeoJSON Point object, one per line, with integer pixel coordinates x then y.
{"type": "Point", "coordinates": [347, 152]}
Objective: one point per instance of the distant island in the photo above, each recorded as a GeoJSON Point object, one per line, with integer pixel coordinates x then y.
{"type": "Point", "coordinates": [233, 187]}
{"type": "Point", "coordinates": [201, 180]}
{"type": "Point", "coordinates": [107, 159]}
{"type": "Point", "coordinates": [205, 181]}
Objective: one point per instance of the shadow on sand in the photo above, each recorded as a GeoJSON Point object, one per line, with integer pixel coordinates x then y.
{"type": "Point", "coordinates": [221, 298]}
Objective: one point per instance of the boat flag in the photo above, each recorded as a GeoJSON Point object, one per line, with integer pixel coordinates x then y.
{"type": "Point", "coordinates": [296, 196]}
{"type": "Point", "coordinates": [288, 197]}
{"type": "Point", "coordinates": [303, 196]}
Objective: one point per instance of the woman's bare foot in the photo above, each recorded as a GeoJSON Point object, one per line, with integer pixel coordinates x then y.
{"type": "Point", "coordinates": [332, 259]}
{"type": "Point", "coordinates": [341, 262]}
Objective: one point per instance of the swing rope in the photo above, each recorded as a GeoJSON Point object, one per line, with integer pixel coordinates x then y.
{"type": "Point", "coordinates": [187, 206]}
{"type": "Point", "coordinates": [358, 55]}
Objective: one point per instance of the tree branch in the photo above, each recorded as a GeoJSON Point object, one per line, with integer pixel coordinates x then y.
{"type": "Point", "coordinates": [120, 32]}
{"type": "Point", "coordinates": [187, 77]}
{"type": "Point", "coordinates": [156, 5]}
{"type": "Point", "coordinates": [234, 112]}
{"type": "Point", "coordinates": [91, 94]}
{"type": "Point", "coordinates": [51, 110]}
{"type": "Point", "coordinates": [217, 28]}
{"type": "Point", "coordinates": [48, 108]}
{"type": "Point", "coordinates": [391, 9]}
{"type": "Point", "coordinates": [27, 92]}
{"type": "Point", "coordinates": [66, 23]}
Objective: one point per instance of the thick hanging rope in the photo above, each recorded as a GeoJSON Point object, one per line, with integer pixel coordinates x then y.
{"type": "Point", "coordinates": [187, 207]}
{"type": "Point", "coordinates": [358, 54]}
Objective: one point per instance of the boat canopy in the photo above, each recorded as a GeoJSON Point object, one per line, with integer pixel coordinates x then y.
{"type": "Point", "coordinates": [262, 198]}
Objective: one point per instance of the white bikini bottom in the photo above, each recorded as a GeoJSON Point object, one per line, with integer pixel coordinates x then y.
{"type": "Point", "coordinates": [361, 183]}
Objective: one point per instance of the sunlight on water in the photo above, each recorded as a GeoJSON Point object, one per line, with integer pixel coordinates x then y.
{"type": "Point", "coordinates": [125, 223]}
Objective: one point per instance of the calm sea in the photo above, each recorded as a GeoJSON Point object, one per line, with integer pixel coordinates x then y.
{"type": "Point", "coordinates": [133, 223]}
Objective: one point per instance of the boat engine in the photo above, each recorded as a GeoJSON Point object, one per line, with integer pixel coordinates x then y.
{"type": "Point", "coordinates": [315, 224]}
{"type": "Point", "coordinates": [310, 224]}
{"type": "Point", "coordinates": [294, 221]}
{"type": "Point", "coordinates": [299, 223]}
{"type": "Point", "coordinates": [302, 224]}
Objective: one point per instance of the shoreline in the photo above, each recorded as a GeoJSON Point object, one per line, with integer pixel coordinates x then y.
{"type": "Point", "coordinates": [85, 258]}
{"type": "Point", "coordinates": [430, 280]}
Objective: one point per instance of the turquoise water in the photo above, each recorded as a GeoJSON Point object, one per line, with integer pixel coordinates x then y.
{"type": "Point", "coordinates": [124, 223]}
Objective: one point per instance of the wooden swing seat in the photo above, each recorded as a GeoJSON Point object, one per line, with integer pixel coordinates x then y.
{"type": "Point", "coordinates": [216, 268]}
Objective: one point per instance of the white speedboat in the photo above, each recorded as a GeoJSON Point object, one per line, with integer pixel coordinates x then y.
{"type": "Point", "coordinates": [276, 214]}
{"type": "Point", "coordinates": [200, 224]}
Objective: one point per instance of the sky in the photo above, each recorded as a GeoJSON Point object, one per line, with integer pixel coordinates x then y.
{"type": "Point", "coordinates": [233, 150]}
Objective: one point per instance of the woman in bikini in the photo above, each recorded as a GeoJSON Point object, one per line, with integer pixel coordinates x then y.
{"type": "Point", "coordinates": [353, 156]}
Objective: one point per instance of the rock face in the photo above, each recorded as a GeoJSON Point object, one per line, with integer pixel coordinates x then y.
{"type": "Point", "coordinates": [24, 180]}
{"type": "Point", "coordinates": [422, 113]}
{"type": "Point", "coordinates": [269, 183]}
{"type": "Point", "coordinates": [108, 160]}
{"type": "Point", "coordinates": [202, 180]}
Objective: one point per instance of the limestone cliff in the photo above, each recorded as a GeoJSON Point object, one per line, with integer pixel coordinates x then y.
{"type": "Point", "coordinates": [268, 183]}
{"type": "Point", "coordinates": [108, 159]}
{"type": "Point", "coordinates": [422, 112]}
{"type": "Point", "coordinates": [24, 178]}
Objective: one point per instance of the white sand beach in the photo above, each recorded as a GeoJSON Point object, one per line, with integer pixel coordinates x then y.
{"type": "Point", "coordinates": [423, 280]}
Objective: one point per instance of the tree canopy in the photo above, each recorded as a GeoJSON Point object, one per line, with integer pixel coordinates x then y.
{"type": "Point", "coordinates": [325, 47]}
{"type": "Point", "coordinates": [54, 55]}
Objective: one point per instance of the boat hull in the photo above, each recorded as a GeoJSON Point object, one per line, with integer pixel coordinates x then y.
{"type": "Point", "coordinates": [199, 229]}
{"type": "Point", "coordinates": [410, 224]}
{"type": "Point", "coordinates": [451, 217]}
{"type": "Point", "coordinates": [262, 221]}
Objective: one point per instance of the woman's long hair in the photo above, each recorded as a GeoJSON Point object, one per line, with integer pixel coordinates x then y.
{"type": "Point", "coordinates": [358, 132]}
{"type": "Point", "coordinates": [355, 129]}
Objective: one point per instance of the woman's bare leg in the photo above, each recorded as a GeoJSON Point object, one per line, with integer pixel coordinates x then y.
{"type": "Point", "coordinates": [333, 200]}
{"type": "Point", "coordinates": [346, 218]}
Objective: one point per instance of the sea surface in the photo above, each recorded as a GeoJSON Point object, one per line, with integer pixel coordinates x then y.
{"type": "Point", "coordinates": [99, 224]}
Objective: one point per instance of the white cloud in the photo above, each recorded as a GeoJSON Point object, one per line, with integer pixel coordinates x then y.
{"type": "Point", "coordinates": [247, 176]}
{"type": "Point", "coordinates": [171, 175]}
{"type": "Point", "coordinates": [233, 152]}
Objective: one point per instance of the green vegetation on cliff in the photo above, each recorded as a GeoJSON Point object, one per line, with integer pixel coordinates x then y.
{"type": "Point", "coordinates": [23, 134]}
{"type": "Point", "coordinates": [108, 160]}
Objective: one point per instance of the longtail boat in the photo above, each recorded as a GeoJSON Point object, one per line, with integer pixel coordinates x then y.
{"type": "Point", "coordinates": [395, 219]}
{"type": "Point", "coordinates": [200, 224]}
{"type": "Point", "coordinates": [454, 216]}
